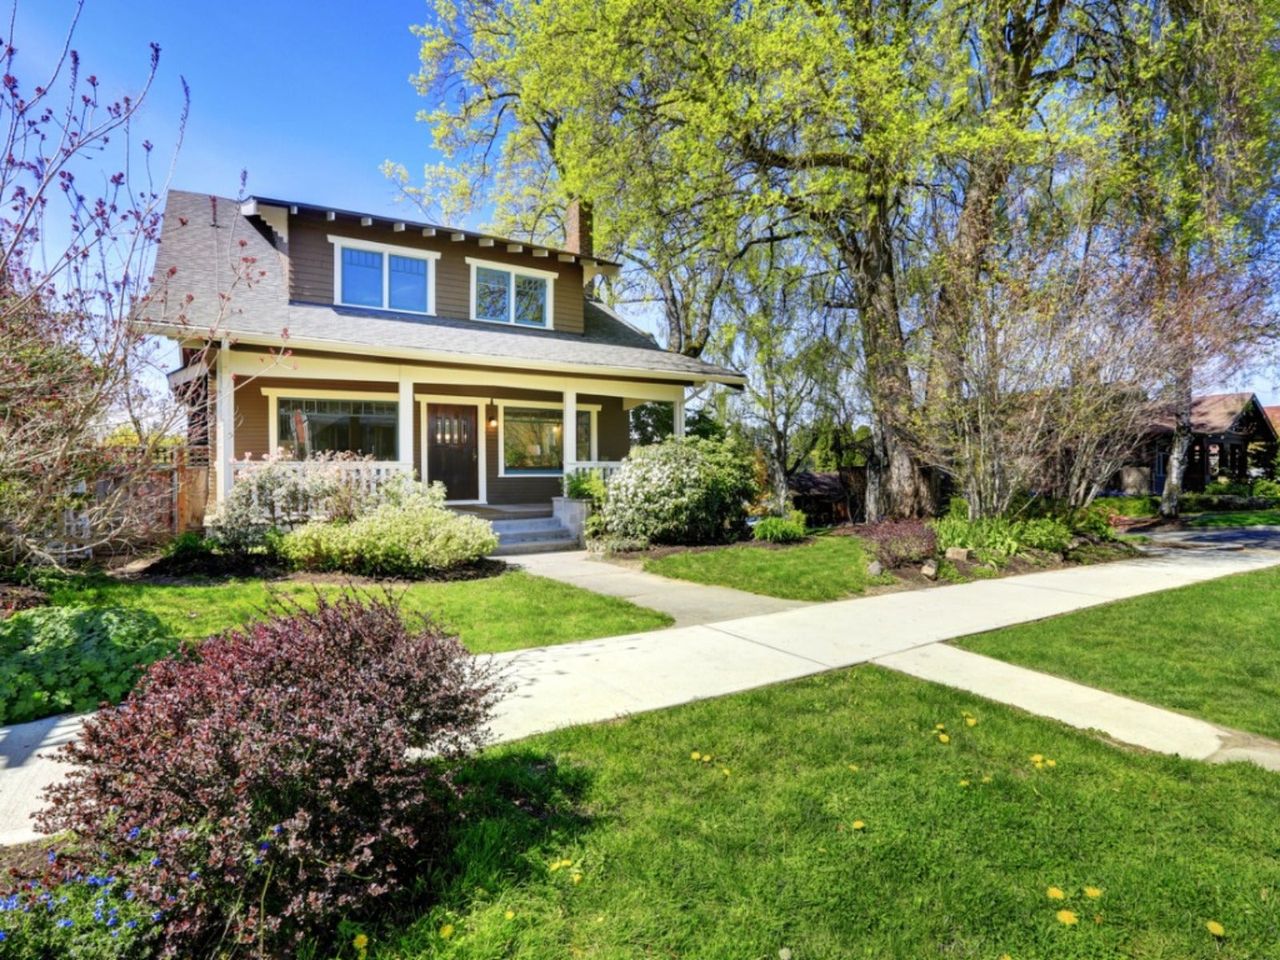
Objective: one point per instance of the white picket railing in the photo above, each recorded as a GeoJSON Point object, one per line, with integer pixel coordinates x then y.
{"type": "Point", "coordinates": [606, 468]}
{"type": "Point", "coordinates": [367, 477]}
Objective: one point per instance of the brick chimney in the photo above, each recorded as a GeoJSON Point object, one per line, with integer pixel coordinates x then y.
{"type": "Point", "coordinates": [577, 228]}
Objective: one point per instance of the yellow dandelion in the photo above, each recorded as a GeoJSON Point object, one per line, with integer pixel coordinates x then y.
{"type": "Point", "coordinates": [1055, 893]}
{"type": "Point", "coordinates": [1051, 763]}
{"type": "Point", "coordinates": [1093, 893]}
{"type": "Point", "coordinates": [706, 758]}
{"type": "Point", "coordinates": [939, 726]}
{"type": "Point", "coordinates": [859, 825]}
{"type": "Point", "coordinates": [853, 767]}
{"type": "Point", "coordinates": [986, 778]}
{"type": "Point", "coordinates": [943, 738]}
{"type": "Point", "coordinates": [361, 943]}
{"type": "Point", "coordinates": [1039, 764]}
{"type": "Point", "coordinates": [1067, 917]}
{"type": "Point", "coordinates": [577, 878]}
{"type": "Point", "coordinates": [1005, 956]}
{"type": "Point", "coordinates": [964, 783]}
{"type": "Point", "coordinates": [725, 771]}
{"type": "Point", "coordinates": [446, 931]}
{"type": "Point", "coordinates": [971, 721]}
{"type": "Point", "coordinates": [695, 755]}
{"type": "Point", "coordinates": [1037, 758]}
{"type": "Point", "coordinates": [1215, 928]}
{"type": "Point", "coordinates": [510, 914]}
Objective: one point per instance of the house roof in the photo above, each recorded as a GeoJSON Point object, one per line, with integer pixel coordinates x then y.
{"type": "Point", "coordinates": [1212, 413]}
{"type": "Point", "coordinates": [218, 275]}
{"type": "Point", "coordinates": [1273, 414]}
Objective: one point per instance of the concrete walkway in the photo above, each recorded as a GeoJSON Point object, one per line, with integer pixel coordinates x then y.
{"type": "Point", "coordinates": [687, 603]}
{"type": "Point", "coordinates": [601, 679]}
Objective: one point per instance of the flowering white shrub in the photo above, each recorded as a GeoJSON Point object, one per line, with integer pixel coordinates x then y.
{"type": "Point", "coordinates": [681, 491]}
{"type": "Point", "coordinates": [277, 492]}
{"type": "Point", "coordinates": [410, 534]}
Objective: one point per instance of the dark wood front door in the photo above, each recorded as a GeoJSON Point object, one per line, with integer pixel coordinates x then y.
{"type": "Point", "coordinates": [452, 451]}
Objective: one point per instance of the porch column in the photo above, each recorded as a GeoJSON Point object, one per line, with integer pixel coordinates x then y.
{"type": "Point", "coordinates": [569, 432]}
{"type": "Point", "coordinates": [404, 419]}
{"type": "Point", "coordinates": [677, 412]}
{"type": "Point", "coordinates": [226, 409]}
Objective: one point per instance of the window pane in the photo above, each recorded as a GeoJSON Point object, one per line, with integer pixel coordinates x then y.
{"type": "Point", "coordinates": [408, 279]}
{"type": "Point", "coordinates": [584, 434]}
{"type": "Point", "coordinates": [493, 291]}
{"type": "Point", "coordinates": [361, 277]}
{"type": "Point", "coordinates": [531, 301]}
{"type": "Point", "coordinates": [531, 440]}
{"type": "Point", "coordinates": [365, 427]}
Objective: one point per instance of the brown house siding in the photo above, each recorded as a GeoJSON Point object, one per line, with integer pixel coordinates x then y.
{"type": "Point", "coordinates": [612, 421]}
{"type": "Point", "coordinates": [311, 267]}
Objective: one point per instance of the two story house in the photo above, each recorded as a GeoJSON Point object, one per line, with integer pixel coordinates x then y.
{"type": "Point", "coordinates": [478, 361]}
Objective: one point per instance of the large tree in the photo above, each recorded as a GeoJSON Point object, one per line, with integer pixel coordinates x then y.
{"type": "Point", "coordinates": [897, 141]}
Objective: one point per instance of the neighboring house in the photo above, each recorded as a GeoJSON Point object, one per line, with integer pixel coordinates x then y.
{"type": "Point", "coordinates": [466, 358]}
{"type": "Point", "coordinates": [1231, 434]}
{"type": "Point", "coordinates": [830, 498]}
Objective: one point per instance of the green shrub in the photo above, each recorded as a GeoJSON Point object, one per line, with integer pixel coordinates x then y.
{"type": "Point", "coordinates": [1130, 506]}
{"type": "Point", "coordinates": [1000, 537]}
{"type": "Point", "coordinates": [60, 659]}
{"type": "Point", "coordinates": [1267, 488]}
{"type": "Point", "coordinates": [1093, 521]}
{"type": "Point", "coordinates": [681, 491]}
{"type": "Point", "coordinates": [585, 485]}
{"type": "Point", "coordinates": [412, 534]}
{"type": "Point", "coordinates": [788, 529]}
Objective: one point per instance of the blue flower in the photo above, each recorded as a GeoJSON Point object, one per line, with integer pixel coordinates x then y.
{"type": "Point", "coordinates": [155, 861]}
{"type": "Point", "coordinates": [9, 902]}
{"type": "Point", "coordinates": [194, 875]}
{"type": "Point", "coordinates": [133, 834]}
{"type": "Point", "coordinates": [3, 936]}
{"type": "Point", "coordinates": [157, 916]}
{"type": "Point", "coordinates": [66, 922]}
{"type": "Point", "coordinates": [277, 829]}
{"type": "Point", "coordinates": [131, 924]}
{"type": "Point", "coordinates": [265, 845]}
{"type": "Point", "coordinates": [53, 856]}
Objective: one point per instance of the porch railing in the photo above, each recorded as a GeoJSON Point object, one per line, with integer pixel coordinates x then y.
{"type": "Point", "coordinates": [605, 468]}
{"type": "Point", "coordinates": [366, 477]}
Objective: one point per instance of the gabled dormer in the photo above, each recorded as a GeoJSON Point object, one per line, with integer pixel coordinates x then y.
{"type": "Point", "coordinates": [398, 267]}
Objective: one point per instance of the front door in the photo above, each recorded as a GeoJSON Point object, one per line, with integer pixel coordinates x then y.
{"type": "Point", "coordinates": [452, 451]}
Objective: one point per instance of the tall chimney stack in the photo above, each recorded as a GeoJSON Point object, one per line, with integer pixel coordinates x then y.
{"type": "Point", "coordinates": [577, 228]}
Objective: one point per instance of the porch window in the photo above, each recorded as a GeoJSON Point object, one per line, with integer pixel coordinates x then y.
{"type": "Point", "coordinates": [533, 443]}
{"type": "Point", "coordinates": [502, 294]}
{"type": "Point", "coordinates": [383, 276]}
{"type": "Point", "coordinates": [365, 427]}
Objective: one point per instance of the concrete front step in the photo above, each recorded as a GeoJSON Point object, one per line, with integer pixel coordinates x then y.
{"type": "Point", "coordinates": [507, 548]}
{"type": "Point", "coordinates": [535, 525]}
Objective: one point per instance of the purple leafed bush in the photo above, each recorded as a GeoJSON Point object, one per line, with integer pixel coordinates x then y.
{"type": "Point", "coordinates": [264, 787]}
{"type": "Point", "coordinates": [900, 542]}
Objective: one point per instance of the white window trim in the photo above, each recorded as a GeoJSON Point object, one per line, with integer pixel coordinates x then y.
{"type": "Point", "coordinates": [592, 408]}
{"type": "Point", "coordinates": [482, 439]}
{"type": "Point", "coordinates": [547, 275]}
{"type": "Point", "coordinates": [387, 249]}
{"type": "Point", "coordinates": [273, 395]}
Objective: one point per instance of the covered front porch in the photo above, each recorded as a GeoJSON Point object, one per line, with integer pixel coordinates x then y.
{"type": "Point", "coordinates": [496, 438]}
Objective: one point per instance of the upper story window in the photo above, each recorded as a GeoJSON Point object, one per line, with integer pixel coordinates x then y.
{"type": "Point", "coordinates": [502, 293]}
{"type": "Point", "coordinates": [383, 276]}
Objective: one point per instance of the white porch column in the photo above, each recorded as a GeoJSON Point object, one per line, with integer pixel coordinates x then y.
{"type": "Point", "coordinates": [569, 433]}
{"type": "Point", "coordinates": [404, 418]}
{"type": "Point", "coordinates": [226, 410]}
{"type": "Point", "coordinates": [677, 410]}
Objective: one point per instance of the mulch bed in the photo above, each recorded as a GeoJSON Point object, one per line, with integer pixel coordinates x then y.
{"type": "Point", "coordinates": [162, 574]}
{"type": "Point", "coordinates": [15, 597]}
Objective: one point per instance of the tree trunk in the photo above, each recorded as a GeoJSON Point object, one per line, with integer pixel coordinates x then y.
{"type": "Point", "coordinates": [1169, 498]}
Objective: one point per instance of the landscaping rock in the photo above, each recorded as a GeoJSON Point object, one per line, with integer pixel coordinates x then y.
{"type": "Point", "coordinates": [874, 568]}
{"type": "Point", "coordinates": [930, 569]}
{"type": "Point", "coordinates": [959, 554]}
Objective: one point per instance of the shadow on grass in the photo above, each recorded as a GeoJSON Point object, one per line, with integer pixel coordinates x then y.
{"type": "Point", "coordinates": [515, 806]}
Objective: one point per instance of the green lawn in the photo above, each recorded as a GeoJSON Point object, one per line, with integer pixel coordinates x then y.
{"type": "Point", "coordinates": [506, 612]}
{"type": "Point", "coordinates": [758, 850]}
{"type": "Point", "coordinates": [1238, 518]}
{"type": "Point", "coordinates": [825, 568]}
{"type": "Point", "coordinates": [1212, 649]}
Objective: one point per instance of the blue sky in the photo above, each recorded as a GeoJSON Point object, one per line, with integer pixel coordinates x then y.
{"type": "Point", "coordinates": [308, 97]}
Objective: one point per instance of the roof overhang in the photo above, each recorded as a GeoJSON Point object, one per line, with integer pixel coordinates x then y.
{"type": "Point", "coordinates": [183, 332]}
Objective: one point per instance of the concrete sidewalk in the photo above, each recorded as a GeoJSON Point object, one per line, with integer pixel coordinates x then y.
{"type": "Point", "coordinates": [687, 603]}
{"type": "Point", "coordinates": [601, 679]}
